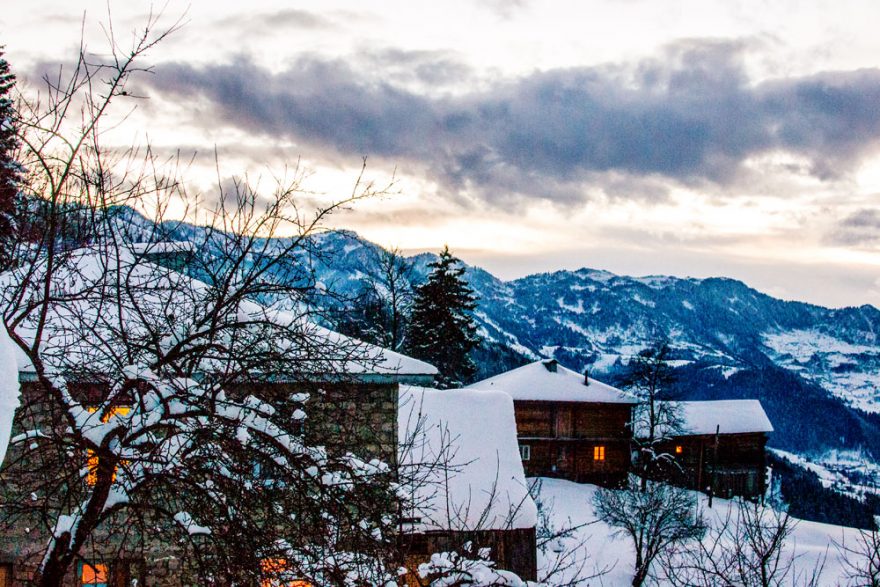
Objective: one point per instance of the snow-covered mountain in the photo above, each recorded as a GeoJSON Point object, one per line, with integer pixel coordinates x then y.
{"type": "Point", "coordinates": [815, 369]}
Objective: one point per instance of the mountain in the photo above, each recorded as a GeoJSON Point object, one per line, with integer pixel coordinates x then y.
{"type": "Point", "coordinates": [816, 370]}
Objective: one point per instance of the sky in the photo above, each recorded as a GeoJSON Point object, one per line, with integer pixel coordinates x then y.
{"type": "Point", "coordinates": [736, 138]}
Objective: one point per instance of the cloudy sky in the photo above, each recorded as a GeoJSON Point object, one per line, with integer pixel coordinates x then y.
{"type": "Point", "coordinates": [693, 138]}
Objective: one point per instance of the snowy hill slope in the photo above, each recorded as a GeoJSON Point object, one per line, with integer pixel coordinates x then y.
{"type": "Point", "coordinates": [595, 546]}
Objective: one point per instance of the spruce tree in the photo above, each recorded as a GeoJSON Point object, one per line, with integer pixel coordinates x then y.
{"type": "Point", "coordinates": [10, 173]}
{"type": "Point", "coordinates": [442, 329]}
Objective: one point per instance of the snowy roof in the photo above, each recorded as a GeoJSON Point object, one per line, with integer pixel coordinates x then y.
{"type": "Point", "coordinates": [8, 390]}
{"type": "Point", "coordinates": [177, 293]}
{"type": "Point", "coordinates": [460, 461]}
{"type": "Point", "coordinates": [735, 416]}
{"type": "Point", "coordinates": [547, 380]}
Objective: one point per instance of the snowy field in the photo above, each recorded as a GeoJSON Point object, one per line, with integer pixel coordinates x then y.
{"type": "Point", "coordinates": [570, 504]}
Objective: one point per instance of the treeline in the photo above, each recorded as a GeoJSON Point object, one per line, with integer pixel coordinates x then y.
{"type": "Point", "coordinates": [808, 499]}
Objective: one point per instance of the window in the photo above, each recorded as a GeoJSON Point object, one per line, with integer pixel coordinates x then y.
{"type": "Point", "coordinates": [525, 452]}
{"type": "Point", "coordinates": [93, 575]}
{"type": "Point", "coordinates": [277, 568]}
{"type": "Point", "coordinates": [678, 449]}
{"type": "Point", "coordinates": [598, 453]}
{"type": "Point", "coordinates": [91, 457]}
{"type": "Point", "coordinates": [5, 575]}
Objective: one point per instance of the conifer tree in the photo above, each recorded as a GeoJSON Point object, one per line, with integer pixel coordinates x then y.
{"type": "Point", "coordinates": [9, 168]}
{"type": "Point", "coordinates": [442, 330]}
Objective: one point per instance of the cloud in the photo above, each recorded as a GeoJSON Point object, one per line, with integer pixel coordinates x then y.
{"type": "Point", "coordinates": [288, 18]}
{"type": "Point", "coordinates": [691, 116]}
{"type": "Point", "coordinates": [860, 229]}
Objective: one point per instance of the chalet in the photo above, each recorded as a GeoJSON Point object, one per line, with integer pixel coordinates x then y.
{"type": "Point", "coordinates": [720, 447]}
{"type": "Point", "coordinates": [568, 425]}
{"type": "Point", "coordinates": [460, 465]}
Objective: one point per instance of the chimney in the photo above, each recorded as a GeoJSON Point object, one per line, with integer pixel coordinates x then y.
{"type": "Point", "coordinates": [586, 376]}
{"type": "Point", "coordinates": [550, 365]}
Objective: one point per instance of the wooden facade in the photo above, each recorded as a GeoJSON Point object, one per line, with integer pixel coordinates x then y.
{"type": "Point", "coordinates": [725, 465]}
{"type": "Point", "coordinates": [580, 441]}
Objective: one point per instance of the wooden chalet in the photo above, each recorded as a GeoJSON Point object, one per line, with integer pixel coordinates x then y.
{"type": "Point", "coordinates": [568, 425]}
{"type": "Point", "coordinates": [720, 448]}
{"type": "Point", "coordinates": [466, 486]}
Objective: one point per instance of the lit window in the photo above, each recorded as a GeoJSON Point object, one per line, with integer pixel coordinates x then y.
{"type": "Point", "coordinates": [94, 575]}
{"type": "Point", "coordinates": [112, 412]}
{"type": "Point", "coordinates": [5, 575]}
{"type": "Point", "coordinates": [678, 449]}
{"type": "Point", "coordinates": [277, 567]}
{"type": "Point", "coordinates": [525, 452]}
{"type": "Point", "coordinates": [91, 457]}
{"type": "Point", "coordinates": [598, 453]}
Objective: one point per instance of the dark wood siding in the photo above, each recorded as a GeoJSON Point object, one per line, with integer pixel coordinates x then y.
{"type": "Point", "coordinates": [562, 438]}
{"type": "Point", "coordinates": [736, 466]}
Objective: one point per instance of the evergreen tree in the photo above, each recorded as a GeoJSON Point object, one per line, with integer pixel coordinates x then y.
{"type": "Point", "coordinates": [442, 330]}
{"type": "Point", "coordinates": [9, 168]}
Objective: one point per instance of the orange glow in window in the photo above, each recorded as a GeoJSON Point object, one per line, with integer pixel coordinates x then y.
{"type": "Point", "coordinates": [278, 566]}
{"type": "Point", "coordinates": [91, 457]}
{"type": "Point", "coordinates": [598, 453]}
{"type": "Point", "coordinates": [94, 574]}
{"type": "Point", "coordinates": [678, 449]}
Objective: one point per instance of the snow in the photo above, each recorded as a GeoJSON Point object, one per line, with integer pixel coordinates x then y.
{"type": "Point", "coordinates": [849, 371]}
{"type": "Point", "coordinates": [535, 382]}
{"type": "Point", "coordinates": [460, 461]}
{"type": "Point", "coordinates": [569, 505]}
{"type": "Point", "coordinates": [186, 520]}
{"type": "Point", "coordinates": [579, 309]}
{"type": "Point", "coordinates": [171, 291]}
{"type": "Point", "coordinates": [9, 389]}
{"type": "Point", "coordinates": [733, 416]}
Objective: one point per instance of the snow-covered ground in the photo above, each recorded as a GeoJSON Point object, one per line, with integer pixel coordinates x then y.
{"type": "Point", "coordinates": [569, 504]}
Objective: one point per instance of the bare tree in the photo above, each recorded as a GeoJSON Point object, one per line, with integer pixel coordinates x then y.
{"type": "Point", "coordinates": [861, 560]}
{"type": "Point", "coordinates": [164, 416]}
{"type": "Point", "coordinates": [745, 548]}
{"type": "Point", "coordinates": [379, 312]}
{"type": "Point", "coordinates": [655, 419]}
{"type": "Point", "coordinates": [655, 518]}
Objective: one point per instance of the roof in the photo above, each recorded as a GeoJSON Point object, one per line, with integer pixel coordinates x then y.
{"type": "Point", "coordinates": [547, 380]}
{"type": "Point", "coordinates": [170, 291]}
{"type": "Point", "coordinates": [736, 416]}
{"type": "Point", "coordinates": [460, 461]}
